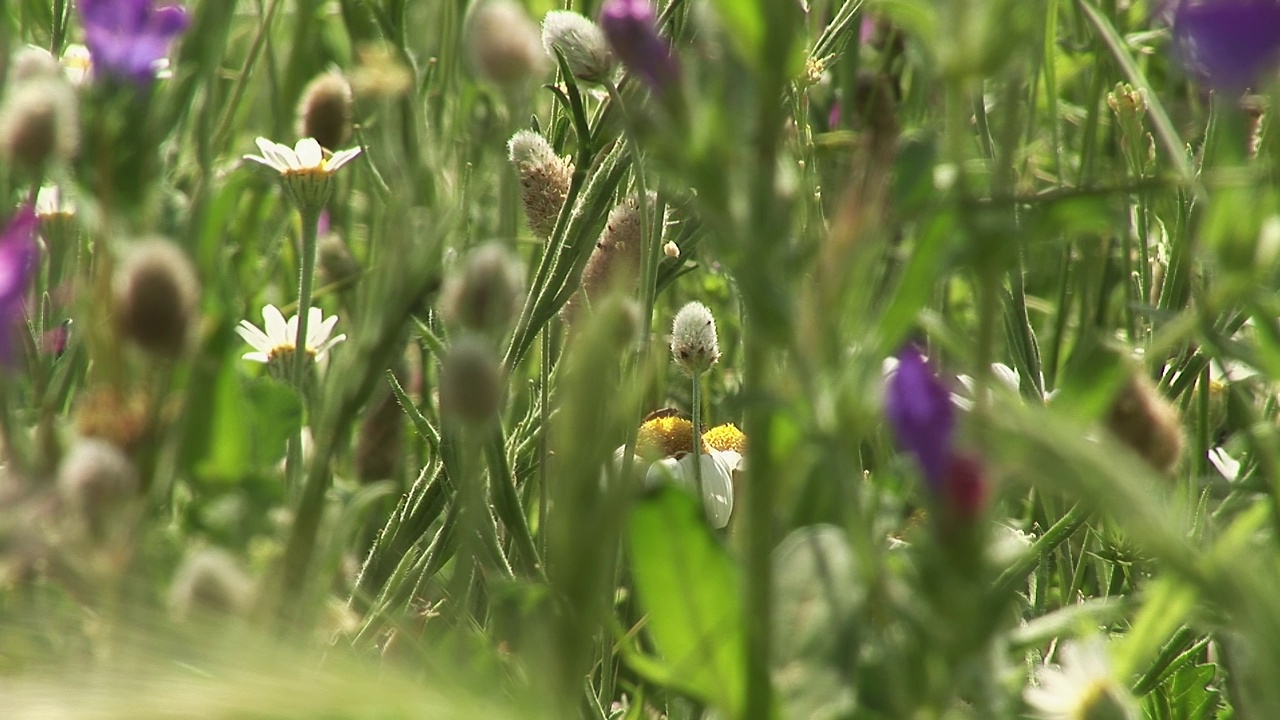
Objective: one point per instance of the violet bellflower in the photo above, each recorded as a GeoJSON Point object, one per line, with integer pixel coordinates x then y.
{"type": "Point", "coordinates": [922, 412]}
{"type": "Point", "coordinates": [127, 39]}
{"type": "Point", "coordinates": [17, 266]}
{"type": "Point", "coordinates": [631, 26]}
{"type": "Point", "coordinates": [922, 415]}
{"type": "Point", "coordinates": [1230, 43]}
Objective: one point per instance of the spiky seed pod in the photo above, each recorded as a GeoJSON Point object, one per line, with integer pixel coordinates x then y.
{"type": "Point", "coordinates": [380, 439]}
{"type": "Point", "coordinates": [210, 582]}
{"type": "Point", "coordinates": [155, 297]}
{"type": "Point", "coordinates": [38, 123]}
{"type": "Point", "coordinates": [485, 295]}
{"type": "Point", "coordinates": [581, 42]}
{"type": "Point", "coordinates": [324, 113]}
{"type": "Point", "coordinates": [694, 344]}
{"type": "Point", "coordinates": [470, 382]}
{"type": "Point", "coordinates": [1142, 419]}
{"type": "Point", "coordinates": [504, 43]}
{"type": "Point", "coordinates": [97, 481]}
{"type": "Point", "coordinates": [544, 180]}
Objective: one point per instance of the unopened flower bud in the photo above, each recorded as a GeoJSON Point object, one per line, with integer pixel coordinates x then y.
{"type": "Point", "coordinates": [504, 43]}
{"type": "Point", "coordinates": [123, 420]}
{"type": "Point", "coordinates": [1143, 420]}
{"type": "Point", "coordinates": [155, 297]}
{"type": "Point", "coordinates": [38, 123]}
{"type": "Point", "coordinates": [380, 439]}
{"type": "Point", "coordinates": [325, 111]}
{"type": "Point", "coordinates": [485, 294]}
{"type": "Point", "coordinates": [334, 260]}
{"type": "Point", "coordinates": [470, 382]}
{"type": "Point", "coordinates": [544, 180]}
{"type": "Point", "coordinates": [97, 481]}
{"type": "Point", "coordinates": [693, 338]}
{"type": "Point", "coordinates": [631, 27]}
{"type": "Point", "coordinates": [580, 41]}
{"type": "Point", "coordinates": [210, 583]}
{"type": "Point", "coordinates": [671, 250]}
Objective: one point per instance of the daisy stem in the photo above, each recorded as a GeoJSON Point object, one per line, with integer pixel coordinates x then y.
{"type": "Point", "coordinates": [696, 401]}
{"type": "Point", "coordinates": [307, 262]}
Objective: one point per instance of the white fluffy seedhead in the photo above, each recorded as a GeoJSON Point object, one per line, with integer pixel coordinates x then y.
{"type": "Point", "coordinates": [582, 42]}
{"type": "Point", "coordinates": [693, 338]}
{"type": "Point", "coordinates": [528, 149]}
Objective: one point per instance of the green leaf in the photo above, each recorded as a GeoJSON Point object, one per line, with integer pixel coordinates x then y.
{"type": "Point", "coordinates": [688, 585]}
{"type": "Point", "coordinates": [277, 413]}
{"type": "Point", "coordinates": [225, 438]}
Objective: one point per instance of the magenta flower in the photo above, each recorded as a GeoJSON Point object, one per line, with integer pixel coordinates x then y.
{"type": "Point", "coordinates": [1230, 43]}
{"type": "Point", "coordinates": [128, 39]}
{"type": "Point", "coordinates": [631, 26]}
{"type": "Point", "coordinates": [922, 413]}
{"type": "Point", "coordinates": [17, 266]}
{"type": "Point", "coordinates": [923, 418]}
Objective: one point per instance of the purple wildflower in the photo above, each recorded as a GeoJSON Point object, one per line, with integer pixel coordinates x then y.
{"type": "Point", "coordinates": [17, 263]}
{"type": "Point", "coordinates": [1231, 43]}
{"type": "Point", "coordinates": [631, 27]}
{"type": "Point", "coordinates": [127, 38]}
{"type": "Point", "coordinates": [919, 408]}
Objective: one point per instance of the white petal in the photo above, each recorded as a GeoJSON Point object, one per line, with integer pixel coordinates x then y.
{"type": "Point", "coordinates": [1006, 375]}
{"type": "Point", "coordinates": [276, 327]}
{"type": "Point", "coordinates": [291, 331]}
{"type": "Point", "coordinates": [668, 469]}
{"type": "Point", "coordinates": [717, 487]}
{"type": "Point", "coordinates": [309, 153]}
{"type": "Point", "coordinates": [315, 324]}
{"type": "Point", "coordinates": [340, 158]}
{"type": "Point", "coordinates": [256, 357]}
{"type": "Point", "coordinates": [254, 336]}
{"type": "Point", "coordinates": [1228, 466]}
{"type": "Point", "coordinates": [264, 161]}
{"type": "Point", "coordinates": [276, 156]}
{"type": "Point", "coordinates": [323, 350]}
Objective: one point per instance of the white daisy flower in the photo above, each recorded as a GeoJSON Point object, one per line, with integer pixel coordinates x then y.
{"type": "Point", "coordinates": [1082, 687]}
{"type": "Point", "coordinates": [304, 158]}
{"type": "Point", "coordinates": [76, 63]}
{"type": "Point", "coordinates": [278, 341]}
{"type": "Point", "coordinates": [665, 441]}
{"type": "Point", "coordinates": [52, 203]}
{"type": "Point", "coordinates": [306, 169]}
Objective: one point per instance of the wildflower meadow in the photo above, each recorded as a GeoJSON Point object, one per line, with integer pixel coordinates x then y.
{"type": "Point", "coordinates": [887, 359]}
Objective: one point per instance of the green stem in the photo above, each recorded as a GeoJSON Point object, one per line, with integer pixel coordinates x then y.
{"type": "Point", "coordinates": [306, 281]}
{"type": "Point", "coordinates": [697, 432]}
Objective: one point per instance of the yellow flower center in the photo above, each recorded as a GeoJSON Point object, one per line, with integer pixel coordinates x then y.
{"type": "Point", "coordinates": [665, 437]}
{"type": "Point", "coordinates": [672, 436]}
{"type": "Point", "coordinates": [724, 438]}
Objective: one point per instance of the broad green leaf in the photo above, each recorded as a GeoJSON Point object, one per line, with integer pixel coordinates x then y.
{"type": "Point", "coordinates": [226, 448]}
{"type": "Point", "coordinates": [689, 587]}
